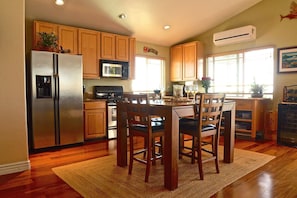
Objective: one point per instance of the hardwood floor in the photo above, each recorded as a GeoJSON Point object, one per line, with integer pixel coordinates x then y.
{"type": "Point", "coordinates": [275, 179]}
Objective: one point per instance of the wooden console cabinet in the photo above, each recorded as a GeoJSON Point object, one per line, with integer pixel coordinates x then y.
{"type": "Point", "coordinates": [250, 117]}
{"type": "Point", "coordinates": [95, 119]}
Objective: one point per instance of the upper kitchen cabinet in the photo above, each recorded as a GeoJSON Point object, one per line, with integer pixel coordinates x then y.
{"type": "Point", "coordinates": [89, 47]}
{"type": "Point", "coordinates": [176, 68]}
{"type": "Point", "coordinates": [114, 47]}
{"type": "Point", "coordinates": [132, 53]}
{"type": "Point", "coordinates": [186, 61]}
{"type": "Point", "coordinates": [40, 26]}
{"type": "Point", "coordinates": [67, 38]}
{"type": "Point", "coordinates": [67, 35]}
{"type": "Point", "coordinates": [122, 48]}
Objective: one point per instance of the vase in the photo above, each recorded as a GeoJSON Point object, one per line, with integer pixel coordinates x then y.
{"type": "Point", "coordinates": [206, 89]}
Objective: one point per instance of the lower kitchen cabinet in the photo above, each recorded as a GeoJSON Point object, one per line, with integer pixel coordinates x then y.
{"type": "Point", "coordinates": [95, 119]}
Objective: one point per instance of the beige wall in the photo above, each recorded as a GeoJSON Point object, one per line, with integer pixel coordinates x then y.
{"type": "Point", "coordinates": [13, 131]}
{"type": "Point", "coordinates": [270, 32]}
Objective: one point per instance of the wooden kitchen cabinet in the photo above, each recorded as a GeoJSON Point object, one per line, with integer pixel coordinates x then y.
{"type": "Point", "coordinates": [250, 117]}
{"type": "Point", "coordinates": [114, 47]}
{"type": "Point", "coordinates": [176, 67]}
{"type": "Point", "coordinates": [186, 61]}
{"type": "Point", "coordinates": [95, 120]}
{"type": "Point", "coordinates": [122, 48]}
{"type": "Point", "coordinates": [67, 35]}
{"type": "Point", "coordinates": [41, 26]}
{"type": "Point", "coordinates": [132, 53]}
{"type": "Point", "coordinates": [89, 47]}
{"type": "Point", "coordinates": [89, 43]}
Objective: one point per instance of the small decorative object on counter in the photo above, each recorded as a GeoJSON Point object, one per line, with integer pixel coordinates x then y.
{"type": "Point", "coordinates": [206, 83]}
{"type": "Point", "coordinates": [257, 90]}
{"type": "Point", "coordinates": [47, 41]}
{"type": "Point", "coordinates": [178, 90]}
{"type": "Point", "coordinates": [157, 94]}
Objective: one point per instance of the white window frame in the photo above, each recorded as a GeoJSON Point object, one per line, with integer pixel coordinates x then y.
{"type": "Point", "coordinates": [145, 79]}
{"type": "Point", "coordinates": [240, 86]}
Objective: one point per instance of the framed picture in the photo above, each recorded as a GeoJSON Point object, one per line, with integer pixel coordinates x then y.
{"type": "Point", "coordinates": [287, 59]}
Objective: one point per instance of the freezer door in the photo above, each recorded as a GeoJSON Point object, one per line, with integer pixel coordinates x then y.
{"type": "Point", "coordinates": [70, 98]}
{"type": "Point", "coordinates": [42, 86]}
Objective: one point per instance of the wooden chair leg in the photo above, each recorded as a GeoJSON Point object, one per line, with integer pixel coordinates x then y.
{"type": "Point", "coordinates": [145, 146]}
{"type": "Point", "coordinates": [216, 154]}
{"type": "Point", "coordinates": [131, 154]}
{"type": "Point", "coordinates": [181, 144]}
{"type": "Point", "coordinates": [162, 149]}
{"type": "Point", "coordinates": [200, 160]}
{"type": "Point", "coordinates": [193, 149]}
{"type": "Point", "coordinates": [153, 152]}
{"type": "Point", "coordinates": [148, 160]}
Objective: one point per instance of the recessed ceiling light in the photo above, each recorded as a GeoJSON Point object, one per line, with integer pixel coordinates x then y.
{"type": "Point", "coordinates": [122, 16]}
{"type": "Point", "coordinates": [166, 27]}
{"type": "Point", "coordinates": [60, 2]}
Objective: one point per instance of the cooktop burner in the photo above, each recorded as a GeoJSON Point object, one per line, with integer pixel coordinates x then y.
{"type": "Point", "coordinates": [111, 93]}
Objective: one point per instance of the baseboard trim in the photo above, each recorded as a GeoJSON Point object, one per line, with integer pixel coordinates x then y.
{"type": "Point", "coordinates": [15, 167]}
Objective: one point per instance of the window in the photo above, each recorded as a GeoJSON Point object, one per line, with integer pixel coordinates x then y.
{"type": "Point", "coordinates": [233, 73]}
{"type": "Point", "coordinates": [149, 74]}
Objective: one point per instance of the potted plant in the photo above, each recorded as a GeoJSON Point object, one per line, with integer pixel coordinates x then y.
{"type": "Point", "coordinates": [206, 83]}
{"type": "Point", "coordinates": [47, 41]}
{"type": "Point", "coordinates": [257, 90]}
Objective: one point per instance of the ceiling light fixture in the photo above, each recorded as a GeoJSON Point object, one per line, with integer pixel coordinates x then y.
{"type": "Point", "coordinates": [60, 2]}
{"type": "Point", "coordinates": [122, 16]}
{"type": "Point", "coordinates": [166, 27]}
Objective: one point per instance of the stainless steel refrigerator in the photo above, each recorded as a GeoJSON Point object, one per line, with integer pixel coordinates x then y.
{"type": "Point", "coordinates": [56, 99]}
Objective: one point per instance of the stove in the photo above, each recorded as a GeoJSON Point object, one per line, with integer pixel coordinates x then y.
{"type": "Point", "coordinates": [112, 94]}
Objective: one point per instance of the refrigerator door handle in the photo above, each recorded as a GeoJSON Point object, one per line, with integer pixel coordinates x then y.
{"type": "Point", "coordinates": [56, 76]}
{"type": "Point", "coordinates": [57, 90]}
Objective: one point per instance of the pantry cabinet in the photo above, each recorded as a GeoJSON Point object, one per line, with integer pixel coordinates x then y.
{"type": "Point", "coordinates": [95, 120]}
{"type": "Point", "coordinates": [89, 47]}
{"type": "Point", "coordinates": [186, 61]}
{"type": "Point", "coordinates": [67, 35]}
{"type": "Point", "coordinates": [114, 47]}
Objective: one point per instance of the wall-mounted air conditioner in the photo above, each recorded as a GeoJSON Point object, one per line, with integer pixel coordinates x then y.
{"type": "Point", "coordinates": [237, 35]}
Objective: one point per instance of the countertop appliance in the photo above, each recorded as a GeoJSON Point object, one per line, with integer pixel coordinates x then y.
{"type": "Point", "coordinates": [55, 99]}
{"type": "Point", "coordinates": [112, 94]}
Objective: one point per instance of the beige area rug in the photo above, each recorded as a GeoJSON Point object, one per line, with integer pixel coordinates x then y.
{"type": "Point", "coordinates": [101, 177]}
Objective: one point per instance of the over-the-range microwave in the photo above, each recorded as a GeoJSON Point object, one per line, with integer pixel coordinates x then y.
{"type": "Point", "coordinates": [114, 69]}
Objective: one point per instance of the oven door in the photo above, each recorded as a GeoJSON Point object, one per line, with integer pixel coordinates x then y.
{"type": "Point", "coordinates": [112, 121]}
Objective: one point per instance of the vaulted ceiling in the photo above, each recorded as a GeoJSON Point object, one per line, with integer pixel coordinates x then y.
{"type": "Point", "coordinates": [145, 18]}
